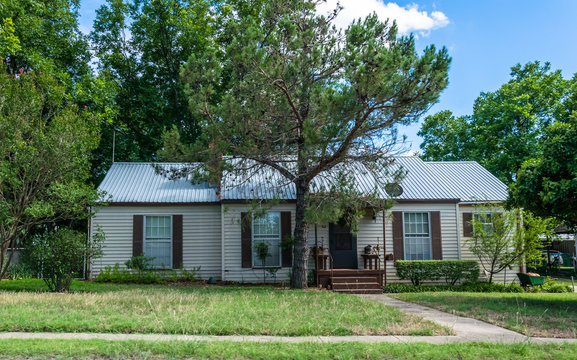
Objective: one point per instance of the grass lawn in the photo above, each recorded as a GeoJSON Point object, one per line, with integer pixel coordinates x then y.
{"type": "Point", "coordinates": [207, 310]}
{"type": "Point", "coordinates": [101, 349]}
{"type": "Point", "coordinates": [534, 314]}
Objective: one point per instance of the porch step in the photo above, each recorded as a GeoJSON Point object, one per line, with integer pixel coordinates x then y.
{"type": "Point", "coordinates": [354, 279]}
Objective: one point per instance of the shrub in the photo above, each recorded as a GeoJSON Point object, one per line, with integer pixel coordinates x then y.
{"type": "Point", "coordinates": [119, 275]}
{"type": "Point", "coordinates": [451, 271]}
{"type": "Point", "coordinates": [20, 270]}
{"type": "Point", "coordinates": [139, 263]}
{"type": "Point", "coordinates": [466, 287]}
{"type": "Point", "coordinates": [59, 256]}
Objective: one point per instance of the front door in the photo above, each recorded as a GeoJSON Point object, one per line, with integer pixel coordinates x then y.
{"type": "Point", "coordinates": [343, 247]}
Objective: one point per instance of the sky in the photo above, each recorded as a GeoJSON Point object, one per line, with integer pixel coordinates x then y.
{"type": "Point", "coordinates": [485, 38]}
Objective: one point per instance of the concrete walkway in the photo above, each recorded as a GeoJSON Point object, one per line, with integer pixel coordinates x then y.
{"type": "Point", "coordinates": [467, 329]}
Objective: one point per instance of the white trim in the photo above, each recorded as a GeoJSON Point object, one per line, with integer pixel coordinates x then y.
{"type": "Point", "coordinates": [458, 214]}
{"type": "Point", "coordinates": [168, 266]}
{"type": "Point", "coordinates": [279, 243]}
{"type": "Point", "coordinates": [430, 235]}
{"type": "Point", "coordinates": [222, 253]}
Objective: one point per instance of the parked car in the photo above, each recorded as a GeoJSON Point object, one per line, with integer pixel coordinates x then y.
{"type": "Point", "coordinates": [554, 256]}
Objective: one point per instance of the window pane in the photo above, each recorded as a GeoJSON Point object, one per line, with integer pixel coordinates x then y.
{"type": "Point", "coordinates": [267, 229]}
{"type": "Point", "coordinates": [158, 240]}
{"type": "Point", "coordinates": [417, 237]}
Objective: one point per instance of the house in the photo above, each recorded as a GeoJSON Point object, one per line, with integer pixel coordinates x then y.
{"type": "Point", "coordinates": [179, 223]}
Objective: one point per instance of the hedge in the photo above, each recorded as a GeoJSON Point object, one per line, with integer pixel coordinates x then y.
{"type": "Point", "coordinates": [451, 271]}
{"type": "Point", "coordinates": [484, 287]}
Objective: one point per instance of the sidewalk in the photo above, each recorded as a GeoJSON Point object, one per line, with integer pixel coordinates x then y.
{"type": "Point", "coordinates": [284, 339]}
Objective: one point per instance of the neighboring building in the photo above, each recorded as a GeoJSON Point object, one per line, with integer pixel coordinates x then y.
{"type": "Point", "coordinates": [179, 223]}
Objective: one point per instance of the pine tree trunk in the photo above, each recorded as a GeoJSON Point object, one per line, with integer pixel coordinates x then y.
{"type": "Point", "coordinates": [301, 249]}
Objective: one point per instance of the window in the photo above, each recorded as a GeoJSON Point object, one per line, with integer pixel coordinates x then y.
{"type": "Point", "coordinates": [158, 240]}
{"type": "Point", "coordinates": [266, 229]}
{"type": "Point", "coordinates": [486, 222]}
{"type": "Point", "coordinates": [417, 236]}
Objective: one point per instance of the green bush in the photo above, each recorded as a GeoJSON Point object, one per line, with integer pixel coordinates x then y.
{"type": "Point", "coordinates": [452, 271]}
{"type": "Point", "coordinates": [481, 287]}
{"type": "Point", "coordinates": [20, 270]}
{"type": "Point", "coordinates": [119, 275]}
{"type": "Point", "coordinates": [59, 256]}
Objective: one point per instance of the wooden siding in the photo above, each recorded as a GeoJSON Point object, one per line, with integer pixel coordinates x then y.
{"type": "Point", "coordinates": [201, 235]}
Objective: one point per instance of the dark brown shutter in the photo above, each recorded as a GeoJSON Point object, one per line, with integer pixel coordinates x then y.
{"type": "Point", "coordinates": [398, 243]}
{"type": "Point", "coordinates": [287, 252]}
{"type": "Point", "coordinates": [436, 240]}
{"type": "Point", "coordinates": [176, 241]}
{"type": "Point", "coordinates": [467, 226]}
{"type": "Point", "coordinates": [137, 234]}
{"type": "Point", "coordinates": [246, 239]}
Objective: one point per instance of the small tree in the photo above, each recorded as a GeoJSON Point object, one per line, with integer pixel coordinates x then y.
{"type": "Point", "coordinates": [262, 253]}
{"type": "Point", "coordinates": [59, 256]}
{"type": "Point", "coordinates": [500, 241]}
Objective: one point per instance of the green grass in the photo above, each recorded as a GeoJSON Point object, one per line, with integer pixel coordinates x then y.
{"type": "Point", "coordinates": [534, 314]}
{"type": "Point", "coordinates": [101, 349]}
{"type": "Point", "coordinates": [207, 310]}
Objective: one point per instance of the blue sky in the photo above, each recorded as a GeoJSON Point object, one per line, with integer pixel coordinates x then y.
{"type": "Point", "coordinates": [484, 37]}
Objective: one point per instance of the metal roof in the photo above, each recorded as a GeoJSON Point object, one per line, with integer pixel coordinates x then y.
{"type": "Point", "coordinates": [464, 181]}
{"type": "Point", "coordinates": [139, 183]}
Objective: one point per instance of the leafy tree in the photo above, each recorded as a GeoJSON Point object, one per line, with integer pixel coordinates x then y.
{"type": "Point", "coordinates": [506, 125]}
{"type": "Point", "coordinates": [59, 256]}
{"type": "Point", "coordinates": [547, 184]}
{"type": "Point", "coordinates": [44, 158]}
{"type": "Point", "coordinates": [141, 46]}
{"type": "Point", "coordinates": [48, 37]}
{"type": "Point", "coordinates": [285, 90]}
{"type": "Point", "coordinates": [498, 241]}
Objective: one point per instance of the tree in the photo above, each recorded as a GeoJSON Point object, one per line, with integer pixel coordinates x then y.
{"type": "Point", "coordinates": [141, 46]}
{"type": "Point", "coordinates": [547, 184]}
{"type": "Point", "coordinates": [506, 125]}
{"type": "Point", "coordinates": [59, 256]}
{"type": "Point", "coordinates": [48, 38]}
{"type": "Point", "coordinates": [45, 145]}
{"type": "Point", "coordinates": [285, 90]}
{"type": "Point", "coordinates": [499, 241]}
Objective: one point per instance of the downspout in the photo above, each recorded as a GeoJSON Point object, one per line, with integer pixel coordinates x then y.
{"type": "Point", "coordinates": [222, 254]}
{"type": "Point", "coordinates": [458, 231]}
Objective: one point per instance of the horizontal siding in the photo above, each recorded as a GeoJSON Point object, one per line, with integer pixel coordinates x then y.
{"type": "Point", "coordinates": [201, 235]}
{"type": "Point", "coordinates": [450, 243]}
{"type": "Point", "coordinates": [466, 253]}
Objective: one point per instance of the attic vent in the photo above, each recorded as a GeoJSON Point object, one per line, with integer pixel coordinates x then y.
{"type": "Point", "coordinates": [394, 189]}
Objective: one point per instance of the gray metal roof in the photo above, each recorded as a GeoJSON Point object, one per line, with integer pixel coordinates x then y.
{"type": "Point", "coordinates": [464, 181]}
{"type": "Point", "coordinates": [139, 183]}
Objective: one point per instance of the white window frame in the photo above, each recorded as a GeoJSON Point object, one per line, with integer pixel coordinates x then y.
{"type": "Point", "coordinates": [405, 233]}
{"type": "Point", "coordinates": [253, 253]}
{"type": "Point", "coordinates": [477, 216]}
{"type": "Point", "coordinates": [167, 266]}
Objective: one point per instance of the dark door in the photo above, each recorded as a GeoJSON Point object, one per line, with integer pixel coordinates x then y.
{"type": "Point", "coordinates": [343, 247]}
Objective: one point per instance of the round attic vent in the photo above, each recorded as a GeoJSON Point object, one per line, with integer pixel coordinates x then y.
{"type": "Point", "coordinates": [394, 189]}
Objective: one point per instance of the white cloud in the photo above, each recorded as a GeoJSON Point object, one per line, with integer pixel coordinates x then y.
{"type": "Point", "coordinates": [409, 18]}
